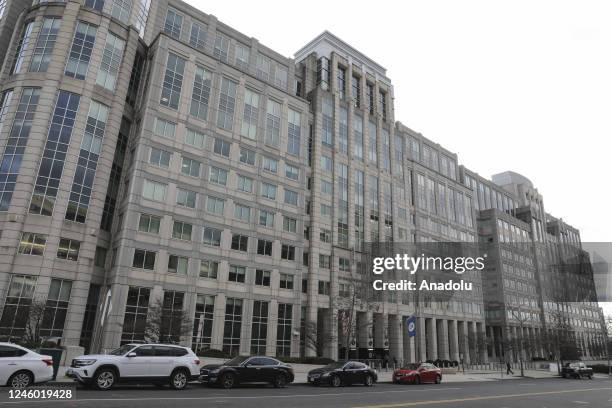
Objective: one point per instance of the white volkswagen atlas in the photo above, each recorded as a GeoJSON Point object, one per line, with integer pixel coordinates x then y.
{"type": "Point", "coordinates": [157, 364]}
{"type": "Point", "coordinates": [20, 367]}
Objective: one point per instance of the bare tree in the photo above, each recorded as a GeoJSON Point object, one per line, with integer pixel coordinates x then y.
{"type": "Point", "coordinates": [313, 340]}
{"type": "Point", "coordinates": [34, 322]}
{"type": "Point", "coordinates": [166, 324]}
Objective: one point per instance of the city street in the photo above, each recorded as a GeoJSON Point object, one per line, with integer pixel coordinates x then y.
{"type": "Point", "coordinates": [528, 393]}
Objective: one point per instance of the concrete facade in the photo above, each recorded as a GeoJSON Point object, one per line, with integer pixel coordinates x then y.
{"type": "Point", "coordinates": [237, 186]}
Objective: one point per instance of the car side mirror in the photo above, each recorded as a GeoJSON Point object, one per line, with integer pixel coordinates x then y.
{"type": "Point", "coordinates": [132, 354]}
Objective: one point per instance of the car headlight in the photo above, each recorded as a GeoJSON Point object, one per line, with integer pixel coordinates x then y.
{"type": "Point", "coordinates": [83, 363]}
{"type": "Point", "coordinates": [325, 375]}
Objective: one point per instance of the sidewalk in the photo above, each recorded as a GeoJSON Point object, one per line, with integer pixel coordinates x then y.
{"type": "Point", "coordinates": [301, 372]}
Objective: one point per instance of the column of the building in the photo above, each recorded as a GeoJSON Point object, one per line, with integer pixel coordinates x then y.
{"type": "Point", "coordinates": [453, 338]}
{"type": "Point", "coordinates": [493, 340]}
{"type": "Point", "coordinates": [473, 335]}
{"type": "Point", "coordinates": [216, 341]}
{"type": "Point", "coordinates": [272, 327]}
{"type": "Point", "coordinates": [482, 342]}
{"type": "Point", "coordinates": [443, 343]}
{"type": "Point", "coordinates": [432, 339]}
{"type": "Point", "coordinates": [396, 339]}
{"type": "Point", "coordinates": [464, 348]}
{"type": "Point", "coordinates": [421, 340]}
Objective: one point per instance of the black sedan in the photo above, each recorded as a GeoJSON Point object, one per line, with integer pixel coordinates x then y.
{"type": "Point", "coordinates": [576, 370]}
{"type": "Point", "coordinates": [343, 373]}
{"type": "Point", "coordinates": [247, 370]}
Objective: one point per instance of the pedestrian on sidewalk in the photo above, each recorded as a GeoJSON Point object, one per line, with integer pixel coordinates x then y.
{"type": "Point", "coordinates": [509, 368]}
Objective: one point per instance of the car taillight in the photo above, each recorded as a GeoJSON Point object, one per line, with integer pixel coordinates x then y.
{"type": "Point", "coordinates": [48, 361]}
{"type": "Point", "coordinates": [197, 362]}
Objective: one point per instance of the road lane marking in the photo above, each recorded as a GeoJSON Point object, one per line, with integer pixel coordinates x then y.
{"type": "Point", "coordinates": [580, 402]}
{"type": "Point", "coordinates": [333, 394]}
{"type": "Point", "coordinates": [433, 402]}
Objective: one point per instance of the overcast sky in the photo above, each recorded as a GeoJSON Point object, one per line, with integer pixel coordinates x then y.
{"type": "Point", "coordinates": [521, 85]}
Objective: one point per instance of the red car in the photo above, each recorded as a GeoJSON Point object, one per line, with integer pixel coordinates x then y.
{"type": "Point", "coordinates": [417, 373]}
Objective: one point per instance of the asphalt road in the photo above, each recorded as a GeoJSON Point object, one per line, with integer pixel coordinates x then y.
{"type": "Point", "coordinates": [528, 393]}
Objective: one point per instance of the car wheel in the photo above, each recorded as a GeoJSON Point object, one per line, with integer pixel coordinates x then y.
{"type": "Point", "coordinates": [369, 381]}
{"type": "Point", "coordinates": [179, 380]}
{"type": "Point", "coordinates": [279, 381]}
{"type": "Point", "coordinates": [335, 381]}
{"type": "Point", "coordinates": [21, 379]}
{"type": "Point", "coordinates": [417, 380]}
{"type": "Point", "coordinates": [438, 379]}
{"type": "Point", "coordinates": [590, 377]}
{"type": "Point", "coordinates": [105, 379]}
{"type": "Point", "coordinates": [228, 381]}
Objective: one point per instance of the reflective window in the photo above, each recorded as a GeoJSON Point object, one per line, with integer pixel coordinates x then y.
{"type": "Point", "coordinates": [173, 81]}
{"type": "Point", "coordinates": [200, 96]}
{"type": "Point", "coordinates": [227, 103]}
{"type": "Point", "coordinates": [173, 24]}
{"type": "Point", "coordinates": [80, 51]}
{"type": "Point", "coordinates": [22, 46]}
{"type": "Point", "coordinates": [111, 59]}
{"type": "Point", "coordinates": [45, 44]}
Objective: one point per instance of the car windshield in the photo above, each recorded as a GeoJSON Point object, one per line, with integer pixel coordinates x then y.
{"type": "Point", "coordinates": [235, 361]}
{"type": "Point", "coordinates": [122, 350]}
{"type": "Point", "coordinates": [333, 366]}
{"type": "Point", "coordinates": [411, 367]}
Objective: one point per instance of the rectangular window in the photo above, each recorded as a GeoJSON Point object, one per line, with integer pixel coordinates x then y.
{"type": "Point", "coordinates": [268, 191]}
{"type": "Point", "coordinates": [286, 281]}
{"type": "Point", "coordinates": [236, 274]}
{"type": "Point", "coordinates": [245, 184]}
{"type": "Point", "coordinates": [154, 191]}
{"type": "Point", "coordinates": [382, 100]}
{"type": "Point", "coordinates": [250, 115]}
{"type": "Point", "coordinates": [232, 326]}
{"type": "Point", "coordinates": [136, 313]}
{"type": "Point", "coordinates": [16, 311]}
{"type": "Point", "coordinates": [356, 91]}
{"type": "Point", "coordinates": [264, 247]}
{"type": "Point", "coordinates": [186, 198]}
{"type": "Point", "coordinates": [45, 44]}
{"type": "Point", "coordinates": [121, 10]}
{"type": "Point", "coordinates": [221, 48]}
{"type": "Point", "coordinates": [111, 60]}
{"type": "Point", "coordinates": [324, 261]}
{"type": "Point", "coordinates": [370, 97]}
{"type": "Point", "coordinates": [263, 67]}
{"type": "Point", "coordinates": [262, 278]}
{"type": "Point", "coordinates": [173, 81]}
{"type": "Point", "coordinates": [327, 136]}
{"type": "Point", "coordinates": [160, 158]}
{"type": "Point", "coordinates": [373, 150]}
{"type": "Point", "coordinates": [240, 242]}
{"type": "Point", "coordinates": [209, 269]}
{"type": "Point", "coordinates": [144, 259]}
{"type": "Point", "coordinates": [190, 167]}
{"type": "Point", "coordinates": [247, 156]}
{"type": "Point", "coordinates": [242, 213]}
{"type": "Point", "coordinates": [227, 104]}
{"type": "Point", "coordinates": [165, 128]}
{"type": "Point", "coordinates": [211, 236]}
{"type": "Point", "coordinates": [288, 252]}
{"type": "Point", "coordinates": [68, 249]}
{"type": "Point", "coordinates": [80, 51]}
{"type": "Point", "coordinates": [198, 36]}
{"type": "Point", "coordinates": [89, 153]}
{"type": "Point", "coordinates": [200, 97]}
{"type": "Point", "coordinates": [32, 244]}
{"type": "Point", "coordinates": [178, 264]}
{"type": "Point", "coordinates": [22, 46]}
{"type": "Point", "coordinates": [218, 176]}
{"type": "Point", "coordinates": [289, 224]}
{"type": "Point", "coordinates": [142, 15]}
{"type": "Point", "coordinates": [242, 56]}
{"type": "Point", "coordinates": [324, 288]}
{"type": "Point", "coordinates": [283, 329]}
{"type": "Point", "coordinates": [222, 147]}
{"type": "Point", "coordinates": [280, 77]}
{"type": "Point", "coordinates": [292, 172]}
{"type": "Point", "coordinates": [56, 308]}
{"type": "Point", "coordinates": [343, 131]}
{"type": "Point", "coordinates": [327, 163]}
{"type": "Point", "coordinates": [273, 117]}
{"type": "Point", "coordinates": [325, 236]}
{"type": "Point", "coordinates": [259, 327]}
{"type": "Point", "coordinates": [95, 4]}
{"type": "Point", "coordinates": [266, 218]}
{"type": "Point", "coordinates": [56, 148]}
{"type": "Point", "coordinates": [149, 223]}
{"type": "Point", "coordinates": [100, 257]}
{"type": "Point", "coordinates": [270, 164]}
{"type": "Point", "coordinates": [195, 139]}
{"type": "Point", "coordinates": [203, 322]}
{"type": "Point", "coordinates": [341, 82]}
{"type": "Point", "coordinates": [358, 137]}
{"type": "Point", "coordinates": [17, 141]}
{"type": "Point", "coordinates": [173, 24]}
{"type": "Point", "coordinates": [291, 197]}
{"type": "Point", "coordinates": [215, 205]}
{"type": "Point", "coordinates": [181, 230]}
{"type": "Point", "coordinates": [294, 132]}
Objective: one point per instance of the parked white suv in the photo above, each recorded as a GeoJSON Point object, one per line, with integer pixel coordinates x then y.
{"type": "Point", "coordinates": [157, 364]}
{"type": "Point", "coordinates": [20, 367]}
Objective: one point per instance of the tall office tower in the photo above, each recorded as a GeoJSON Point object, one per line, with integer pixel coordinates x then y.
{"type": "Point", "coordinates": [157, 161]}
